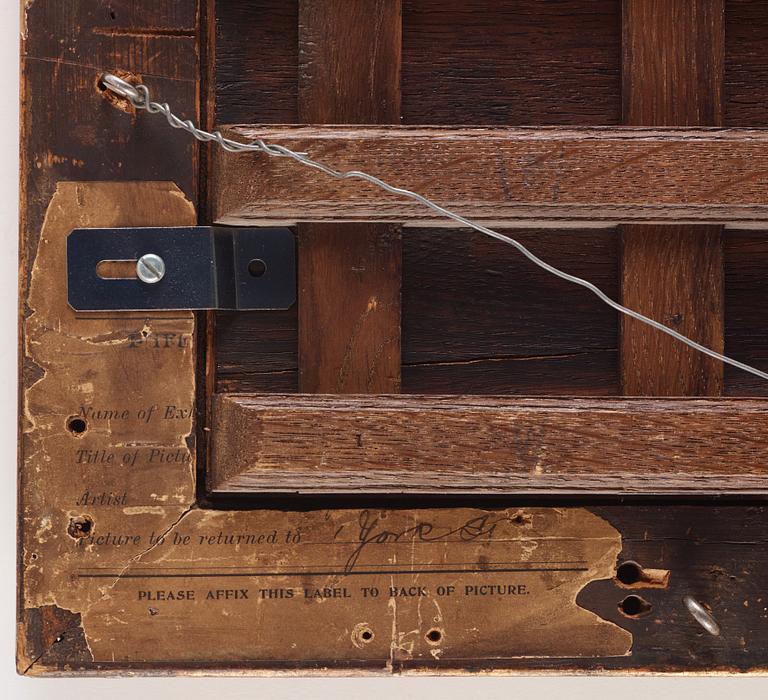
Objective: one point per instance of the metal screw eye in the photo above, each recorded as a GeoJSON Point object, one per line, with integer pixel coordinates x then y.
{"type": "Point", "coordinates": [702, 615]}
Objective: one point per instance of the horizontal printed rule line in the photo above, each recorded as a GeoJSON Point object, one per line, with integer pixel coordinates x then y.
{"type": "Point", "coordinates": [341, 572]}
{"type": "Point", "coordinates": [451, 564]}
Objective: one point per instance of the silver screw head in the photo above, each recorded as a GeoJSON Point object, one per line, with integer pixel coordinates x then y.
{"type": "Point", "coordinates": [150, 268]}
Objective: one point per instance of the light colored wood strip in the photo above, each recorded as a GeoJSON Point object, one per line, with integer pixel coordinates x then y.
{"type": "Point", "coordinates": [440, 444]}
{"type": "Point", "coordinates": [542, 175]}
{"type": "Point", "coordinates": [673, 274]}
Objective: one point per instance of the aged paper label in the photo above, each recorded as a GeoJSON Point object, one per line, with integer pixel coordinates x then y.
{"type": "Point", "coordinates": [123, 569]}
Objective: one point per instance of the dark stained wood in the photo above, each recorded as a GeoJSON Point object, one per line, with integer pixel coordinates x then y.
{"type": "Point", "coordinates": [463, 444]}
{"type": "Point", "coordinates": [477, 319]}
{"type": "Point", "coordinates": [349, 276]}
{"type": "Point", "coordinates": [509, 62]}
{"type": "Point", "coordinates": [504, 63]}
{"type": "Point", "coordinates": [519, 176]}
{"type": "Point", "coordinates": [746, 71]}
{"type": "Point", "coordinates": [71, 132]}
{"type": "Point", "coordinates": [746, 311]}
{"type": "Point", "coordinates": [467, 62]}
{"type": "Point", "coordinates": [257, 61]}
{"type": "Point", "coordinates": [256, 78]}
{"type": "Point", "coordinates": [717, 555]}
{"type": "Point", "coordinates": [349, 61]}
{"type": "Point", "coordinates": [449, 76]}
{"type": "Point", "coordinates": [673, 63]}
{"type": "Point", "coordinates": [257, 351]}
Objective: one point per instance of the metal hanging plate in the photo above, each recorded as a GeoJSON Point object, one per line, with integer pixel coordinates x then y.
{"type": "Point", "coordinates": [199, 267]}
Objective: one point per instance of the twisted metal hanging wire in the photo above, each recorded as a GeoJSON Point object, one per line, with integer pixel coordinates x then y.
{"type": "Point", "coordinates": [139, 97]}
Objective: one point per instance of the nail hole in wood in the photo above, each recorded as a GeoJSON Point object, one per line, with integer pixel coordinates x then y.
{"type": "Point", "coordinates": [630, 574]}
{"type": "Point", "coordinates": [362, 634]}
{"type": "Point", "coordinates": [434, 636]}
{"type": "Point", "coordinates": [635, 606]}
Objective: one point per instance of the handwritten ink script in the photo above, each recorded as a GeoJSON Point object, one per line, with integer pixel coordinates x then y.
{"type": "Point", "coordinates": [371, 533]}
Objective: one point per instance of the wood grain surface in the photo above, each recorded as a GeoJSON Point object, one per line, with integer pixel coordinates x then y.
{"type": "Point", "coordinates": [477, 319]}
{"type": "Point", "coordinates": [104, 164]}
{"type": "Point", "coordinates": [516, 176]}
{"type": "Point", "coordinates": [500, 62]}
{"type": "Point", "coordinates": [508, 63]}
{"type": "Point", "coordinates": [673, 70]}
{"type": "Point", "coordinates": [349, 276]}
{"type": "Point", "coordinates": [458, 444]}
{"type": "Point", "coordinates": [673, 274]}
{"type": "Point", "coordinates": [490, 63]}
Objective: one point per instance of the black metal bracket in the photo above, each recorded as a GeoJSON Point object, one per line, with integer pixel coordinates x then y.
{"type": "Point", "coordinates": [202, 267]}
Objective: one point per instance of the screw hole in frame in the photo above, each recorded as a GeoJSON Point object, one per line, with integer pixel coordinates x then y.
{"type": "Point", "coordinates": [634, 606]}
{"type": "Point", "coordinates": [77, 425]}
{"type": "Point", "coordinates": [629, 572]}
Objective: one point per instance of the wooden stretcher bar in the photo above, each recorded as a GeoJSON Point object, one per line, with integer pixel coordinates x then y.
{"type": "Point", "coordinates": [521, 176]}
{"type": "Point", "coordinates": [473, 444]}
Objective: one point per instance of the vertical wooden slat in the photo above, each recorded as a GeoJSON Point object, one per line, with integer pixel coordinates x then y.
{"type": "Point", "coordinates": [673, 57]}
{"type": "Point", "coordinates": [206, 373]}
{"type": "Point", "coordinates": [349, 275]}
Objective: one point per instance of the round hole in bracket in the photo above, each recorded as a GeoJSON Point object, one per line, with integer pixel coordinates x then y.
{"type": "Point", "coordinates": [77, 425]}
{"type": "Point", "coordinates": [257, 267]}
{"type": "Point", "coordinates": [635, 606]}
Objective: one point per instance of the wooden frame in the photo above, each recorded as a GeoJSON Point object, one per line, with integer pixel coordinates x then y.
{"type": "Point", "coordinates": [100, 541]}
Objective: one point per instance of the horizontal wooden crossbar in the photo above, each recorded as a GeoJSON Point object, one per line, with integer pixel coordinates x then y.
{"type": "Point", "coordinates": [513, 176]}
{"type": "Point", "coordinates": [440, 444]}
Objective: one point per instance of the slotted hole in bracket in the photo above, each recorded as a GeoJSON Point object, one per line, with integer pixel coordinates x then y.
{"type": "Point", "coordinates": [116, 270]}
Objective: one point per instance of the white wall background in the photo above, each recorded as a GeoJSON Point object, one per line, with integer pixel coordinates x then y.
{"type": "Point", "coordinates": [12, 686]}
